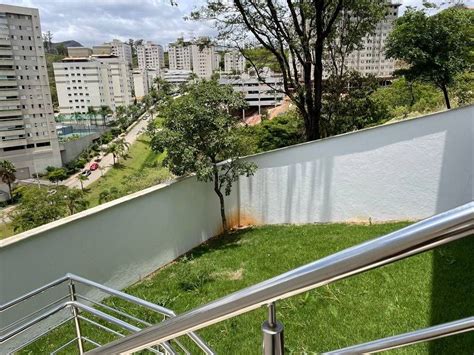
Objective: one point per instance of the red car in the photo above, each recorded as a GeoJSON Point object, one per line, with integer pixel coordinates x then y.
{"type": "Point", "coordinates": [94, 166]}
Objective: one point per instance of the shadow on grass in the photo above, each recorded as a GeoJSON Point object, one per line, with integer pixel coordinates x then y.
{"type": "Point", "coordinates": [220, 242]}
{"type": "Point", "coordinates": [453, 294]}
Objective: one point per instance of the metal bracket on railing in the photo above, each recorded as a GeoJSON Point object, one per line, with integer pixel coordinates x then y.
{"type": "Point", "coordinates": [272, 329]}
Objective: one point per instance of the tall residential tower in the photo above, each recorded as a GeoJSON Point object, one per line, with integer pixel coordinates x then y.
{"type": "Point", "coordinates": [27, 126]}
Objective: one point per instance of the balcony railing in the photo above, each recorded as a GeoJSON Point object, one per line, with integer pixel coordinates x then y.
{"type": "Point", "coordinates": [416, 238]}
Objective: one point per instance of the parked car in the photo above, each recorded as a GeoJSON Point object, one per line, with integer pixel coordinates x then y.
{"type": "Point", "coordinates": [93, 166]}
{"type": "Point", "coordinates": [98, 160]}
{"type": "Point", "coordinates": [86, 172]}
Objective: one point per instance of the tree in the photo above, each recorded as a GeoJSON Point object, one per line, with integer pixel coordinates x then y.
{"type": "Point", "coordinates": [91, 112]}
{"type": "Point", "coordinates": [296, 33]}
{"type": "Point", "coordinates": [37, 206]}
{"type": "Point", "coordinates": [74, 200]}
{"type": "Point", "coordinates": [348, 104]}
{"type": "Point", "coordinates": [435, 48]}
{"type": "Point", "coordinates": [199, 136]}
{"type": "Point", "coordinates": [118, 149]}
{"type": "Point", "coordinates": [57, 175]}
{"type": "Point", "coordinates": [104, 111]}
{"type": "Point", "coordinates": [7, 174]}
{"type": "Point", "coordinates": [81, 179]}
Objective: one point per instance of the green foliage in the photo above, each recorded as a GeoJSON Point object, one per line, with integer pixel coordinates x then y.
{"type": "Point", "coordinates": [348, 104]}
{"type": "Point", "coordinates": [199, 136]}
{"type": "Point", "coordinates": [118, 149]}
{"type": "Point", "coordinates": [39, 206]}
{"type": "Point", "coordinates": [282, 131]}
{"type": "Point", "coordinates": [50, 59]}
{"type": "Point", "coordinates": [435, 48]}
{"type": "Point", "coordinates": [57, 174]}
{"type": "Point", "coordinates": [403, 97]}
{"type": "Point", "coordinates": [261, 57]}
{"type": "Point", "coordinates": [7, 174]}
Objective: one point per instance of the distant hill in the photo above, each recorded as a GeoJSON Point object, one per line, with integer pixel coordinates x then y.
{"type": "Point", "coordinates": [70, 43]}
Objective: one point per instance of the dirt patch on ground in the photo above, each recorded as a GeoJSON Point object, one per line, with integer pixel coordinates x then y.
{"type": "Point", "coordinates": [229, 275]}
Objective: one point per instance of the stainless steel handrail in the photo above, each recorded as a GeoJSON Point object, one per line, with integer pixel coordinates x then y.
{"type": "Point", "coordinates": [417, 336]}
{"type": "Point", "coordinates": [48, 310]}
{"type": "Point", "coordinates": [416, 238]}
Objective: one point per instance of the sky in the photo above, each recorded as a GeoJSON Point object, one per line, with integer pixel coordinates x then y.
{"type": "Point", "coordinates": [93, 22]}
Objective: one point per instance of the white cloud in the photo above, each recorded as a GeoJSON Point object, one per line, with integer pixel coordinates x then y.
{"type": "Point", "coordinates": [95, 21]}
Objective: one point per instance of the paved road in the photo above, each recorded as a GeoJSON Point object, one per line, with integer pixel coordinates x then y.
{"type": "Point", "coordinates": [107, 160]}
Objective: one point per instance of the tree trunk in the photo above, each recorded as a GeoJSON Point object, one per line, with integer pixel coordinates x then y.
{"type": "Point", "coordinates": [318, 90]}
{"type": "Point", "coordinates": [446, 96]}
{"type": "Point", "coordinates": [221, 200]}
{"type": "Point", "coordinates": [82, 186]}
{"type": "Point", "coordinates": [10, 190]}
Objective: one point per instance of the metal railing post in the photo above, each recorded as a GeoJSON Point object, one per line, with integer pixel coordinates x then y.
{"type": "Point", "coordinates": [272, 333]}
{"type": "Point", "coordinates": [75, 313]}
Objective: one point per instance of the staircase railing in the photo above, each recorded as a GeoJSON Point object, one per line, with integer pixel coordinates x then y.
{"type": "Point", "coordinates": [81, 307]}
{"type": "Point", "coordinates": [416, 238]}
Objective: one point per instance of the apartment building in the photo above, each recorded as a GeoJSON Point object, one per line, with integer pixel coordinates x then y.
{"type": "Point", "coordinates": [121, 50]}
{"type": "Point", "coordinates": [199, 55]}
{"type": "Point", "coordinates": [204, 60]}
{"type": "Point", "coordinates": [140, 83]}
{"type": "Point", "coordinates": [257, 93]}
{"type": "Point", "coordinates": [27, 126]}
{"type": "Point", "coordinates": [92, 78]}
{"type": "Point", "coordinates": [176, 77]}
{"type": "Point", "coordinates": [371, 58]}
{"type": "Point", "coordinates": [234, 62]}
{"type": "Point", "coordinates": [150, 56]}
{"type": "Point", "coordinates": [180, 55]}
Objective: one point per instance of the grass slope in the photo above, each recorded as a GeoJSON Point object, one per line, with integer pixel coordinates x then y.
{"type": "Point", "coordinates": [142, 169]}
{"type": "Point", "coordinates": [426, 289]}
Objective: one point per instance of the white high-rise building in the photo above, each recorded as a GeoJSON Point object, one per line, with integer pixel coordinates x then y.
{"type": "Point", "coordinates": [371, 58]}
{"type": "Point", "coordinates": [180, 55]}
{"type": "Point", "coordinates": [150, 56]}
{"type": "Point", "coordinates": [234, 62]}
{"type": "Point", "coordinates": [198, 55]}
{"type": "Point", "coordinates": [85, 79]}
{"type": "Point", "coordinates": [140, 83]}
{"type": "Point", "coordinates": [121, 50]}
{"type": "Point", "coordinates": [27, 128]}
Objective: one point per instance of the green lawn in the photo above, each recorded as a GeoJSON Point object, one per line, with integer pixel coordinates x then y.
{"type": "Point", "coordinates": [142, 169]}
{"type": "Point", "coordinates": [426, 289]}
{"type": "Point", "coordinates": [6, 230]}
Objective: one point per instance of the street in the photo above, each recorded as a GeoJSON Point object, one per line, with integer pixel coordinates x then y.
{"type": "Point", "coordinates": [107, 160]}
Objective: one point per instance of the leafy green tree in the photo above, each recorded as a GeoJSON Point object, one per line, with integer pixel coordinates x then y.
{"type": "Point", "coordinates": [282, 131]}
{"type": "Point", "coordinates": [7, 174]}
{"type": "Point", "coordinates": [104, 111]}
{"type": "Point", "coordinates": [199, 136]}
{"type": "Point", "coordinates": [92, 113]}
{"type": "Point", "coordinates": [37, 206]}
{"type": "Point", "coordinates": [348, 104]}
{"type": "Point", "coordinates": [118, 149]}
{"type": "Point", "coordinates": [57, 175]}
{"type": "Point", "coordinates": [82, 178]}
{"type": "Point", "coordinates": [435, 48]}
{"type": "Point", "coordinates": [403, 97]}
{"type": "Point", "coordinates": [108, 195]}
{"type": "Point", "coordinates": [74, 200]}
{"type": "Point", "coordinates": [296, 33]}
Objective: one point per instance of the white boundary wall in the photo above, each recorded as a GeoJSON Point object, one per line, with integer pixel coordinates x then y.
{"type": "Point", "coordinates": [402, 171]}
{"type": "Point", "coordinates": [406, 170]}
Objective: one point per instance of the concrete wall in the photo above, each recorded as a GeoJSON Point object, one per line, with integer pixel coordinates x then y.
{"type": "Point", "coordinates": [116, 243]}
{"type": "Point", "coordinates": [72, 149]}
{"type": "Point", "coordinates": [403, 171]}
